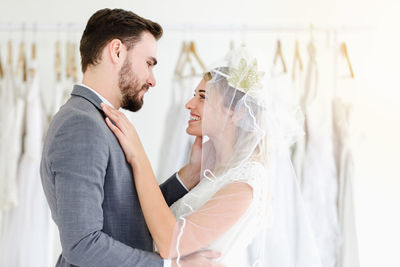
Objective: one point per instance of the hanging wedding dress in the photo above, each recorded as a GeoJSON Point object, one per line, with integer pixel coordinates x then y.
{"type": "Point", "coordinates": [342, 109]}
{"type": "Point", "coordinates": [28, 223]}
{"type": "Point", "coordinates": [2, 160]}
{"type": "Point", "coordinates": [320, 184]}
{"type": "Point", "coordinates": [13, 104]}
{"type": "Point", "coordinates": [298, 149]}
{"type": "Point", "coordinates": [348, 254]}
{"type": "Point", "coordinates": [291, 87]}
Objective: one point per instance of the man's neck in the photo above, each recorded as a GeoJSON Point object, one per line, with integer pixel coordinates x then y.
{"type": "Point", "coordinates": [104, 86]}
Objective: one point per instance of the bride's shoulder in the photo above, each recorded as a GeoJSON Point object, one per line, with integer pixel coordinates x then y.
{"type": "Point", "coordinates": [252, 172]}
{"type": "Point", "coordinates": [254, 167]}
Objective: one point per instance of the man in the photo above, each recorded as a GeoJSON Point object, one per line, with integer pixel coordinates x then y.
{"type": "Point", "coordinates": [86, 179]}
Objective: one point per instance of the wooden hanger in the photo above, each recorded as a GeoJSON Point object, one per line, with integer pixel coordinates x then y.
{"type": "Point", "coordinates": [10, 54]}
{"type": "Point", "coordinates": [187, 60]}
{"type": "Point", "coordinates": [21, 65]}
{"type": "Point", "coordinates": [343, 48]}
{"type": "Point", "coordinates": [74, 66]}
{"type": "Point", "coordinates": [189, 50]}
{"type": "Point", "coordinates": [310, 92]}
{"type": "Point", "coordinates": [33, 51]}
{"type": "Point", "coordinates": [1, 69]}
{"type": "Point", "coordinates": [297, 59]}
{"type": "Point", "coordinates": [278, 54]}
{"type": "Point", "coordinates": [32, 69]}
{"type": "Point", "coordinates": [57, 61]}
{"type": "Point", "coordinates": [196, 56]}
{"type": "Point", "coordinates": [179, 62]}
{"type": "Point", "coordinates": [311, 47]}
{"type": "Point", "coordinates": [34, 42]}
{"type": "Point", "coordinates": [68, 72]}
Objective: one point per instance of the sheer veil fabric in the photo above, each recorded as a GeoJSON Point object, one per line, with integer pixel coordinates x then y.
{"type": "Point", "coordinates": [247, 205]}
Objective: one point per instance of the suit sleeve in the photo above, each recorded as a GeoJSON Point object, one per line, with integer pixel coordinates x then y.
{"type": "Point", "coordinates": [172, 190]}
{"type": "Point", "coordinates": [78, 158]}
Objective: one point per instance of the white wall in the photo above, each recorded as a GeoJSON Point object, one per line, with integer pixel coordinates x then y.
{"type": "Point", "coordinates": [375, 55]}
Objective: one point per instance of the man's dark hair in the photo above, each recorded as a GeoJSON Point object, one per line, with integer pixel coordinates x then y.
{"type": "Point", "coordinates": [108, 24]}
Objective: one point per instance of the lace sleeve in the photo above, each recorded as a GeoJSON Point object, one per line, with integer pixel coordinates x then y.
{"type": "Point", "coordinates": [198, 229]}
{"type": "Point", "coordinates": [255, 175]}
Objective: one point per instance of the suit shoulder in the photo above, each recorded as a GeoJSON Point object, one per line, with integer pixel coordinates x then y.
{"type": "Point", "coordinates": [80, 116]}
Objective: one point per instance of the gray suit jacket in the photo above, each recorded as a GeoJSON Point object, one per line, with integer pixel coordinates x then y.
{"type": "Point", "coordinates": [90, 190]}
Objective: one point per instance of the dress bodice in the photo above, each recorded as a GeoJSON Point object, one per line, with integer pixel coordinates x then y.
{"type": "Point", "coordinates": [232, 244]}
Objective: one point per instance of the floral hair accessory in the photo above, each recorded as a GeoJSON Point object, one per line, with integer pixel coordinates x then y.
{"type": "Point", "coordinates": [246, 77]}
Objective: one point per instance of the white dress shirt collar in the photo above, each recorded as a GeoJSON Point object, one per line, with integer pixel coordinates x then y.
{"type": "Point", "coordinates": [100, 96]}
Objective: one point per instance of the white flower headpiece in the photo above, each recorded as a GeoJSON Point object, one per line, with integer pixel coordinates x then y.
{"type": "Point", "coordinates": [243, 71]}
{"type": "Point", "coordinates": [246, 77]}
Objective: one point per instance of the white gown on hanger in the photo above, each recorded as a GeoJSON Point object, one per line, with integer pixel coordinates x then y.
{"type": "Point", "coordinates": [28, 223]}
{"type": "Point", "coordinates": [12, 105]}
{"type": "Point", "coordinates": [348, 254]}
{"type": "Point", "coordinates": [292, 92]}
{"type": "Point", "coordinates": [342, 109]}
{"type": "Point", "coordinates": [320, 184]}
{"type": "Point", "coordinates": [299, 148]}
{"type": "Point", "coordinates": [2, 161]}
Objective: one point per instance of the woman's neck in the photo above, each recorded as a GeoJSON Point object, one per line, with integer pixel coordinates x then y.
{"type": "Point", "coordinates": [223, 147]}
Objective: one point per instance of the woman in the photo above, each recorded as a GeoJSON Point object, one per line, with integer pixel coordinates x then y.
{"type": "Point", "coordinates": [247, 204]}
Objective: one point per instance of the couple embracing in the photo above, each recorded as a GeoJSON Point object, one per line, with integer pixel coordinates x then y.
{"type": "Point", "coordinates": [236, 203]}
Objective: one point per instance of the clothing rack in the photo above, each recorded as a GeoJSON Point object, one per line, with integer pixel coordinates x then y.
{"type": "Point", "coordinates": [74, 27]}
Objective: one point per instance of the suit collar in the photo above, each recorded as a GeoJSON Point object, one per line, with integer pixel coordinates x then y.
{"type": "Point", "coordinates": [88, 95]}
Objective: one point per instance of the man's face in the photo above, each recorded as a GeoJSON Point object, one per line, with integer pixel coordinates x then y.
{"type": "Point", "coordinates": [136, 74]}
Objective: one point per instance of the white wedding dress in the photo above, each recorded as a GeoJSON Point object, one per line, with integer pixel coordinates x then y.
{"type": "Point", "coordinates": [233, 243]}
{"type": "Point", "coordinates": [27, 244]}
{"type": "Point", "coordinates": [320, 179]}
{"type": "Point", "coordinates": [13, 104]}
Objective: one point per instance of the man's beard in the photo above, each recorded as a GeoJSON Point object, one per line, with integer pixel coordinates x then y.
{"type": "Point", "coordinates": [130, 88]}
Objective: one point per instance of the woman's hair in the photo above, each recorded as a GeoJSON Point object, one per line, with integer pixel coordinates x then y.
{"type": "Point", "coordinates": [108, 24]}
{"type": "Point", "coordinates": [246, 131]}
{"type": "Point", "coordinates": [220, 81]}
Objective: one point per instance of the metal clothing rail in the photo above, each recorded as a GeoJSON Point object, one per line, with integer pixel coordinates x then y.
{"type": "Point", "coordinates": [74, 27]}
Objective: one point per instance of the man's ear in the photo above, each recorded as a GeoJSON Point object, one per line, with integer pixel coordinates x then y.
{"type": "Point", "coordinates": [116, 50]}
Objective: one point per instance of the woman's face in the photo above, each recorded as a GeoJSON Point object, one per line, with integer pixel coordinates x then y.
{"type": "Point", "coordinates": [206, 119]}
{"type": "Point", "coordinates": [196, 107]}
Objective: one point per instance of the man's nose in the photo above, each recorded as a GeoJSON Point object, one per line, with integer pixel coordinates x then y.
{"type": "Point", "coordinates": [152, 80]}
